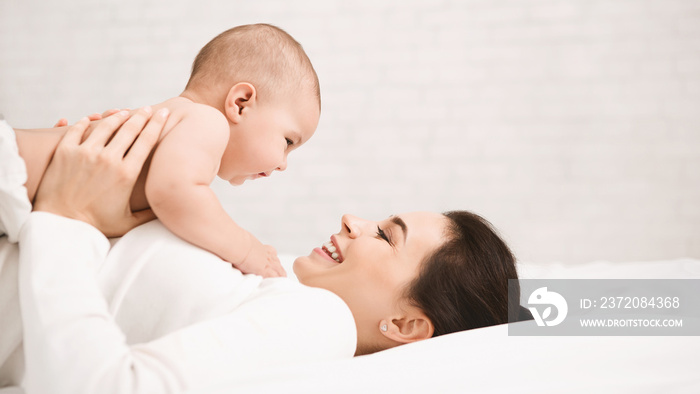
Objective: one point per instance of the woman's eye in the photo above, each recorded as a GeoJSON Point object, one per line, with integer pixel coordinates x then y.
{"type": "Point", "coordinates": [289, 142]}
{"type": "Point", "coordinates": [382, 235]}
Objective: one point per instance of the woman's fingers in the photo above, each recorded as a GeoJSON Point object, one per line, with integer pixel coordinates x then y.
{"type": "Point", "coordinates": [64, 122]}
{"type": "Point", "coordinates": [113, 111]}
{"type": "Point", "coordinates": [103, 131]}
{"type": "Point", "coordinates": [92, 182]}
{"type": "Point", "coordinates": [146, 140]}
{"type": "Point", "coordinates": [61, 122]}
{"type": "Point", "coordinates": [74, 134]}
{"type": "Point", "coordinates": [121, 142]}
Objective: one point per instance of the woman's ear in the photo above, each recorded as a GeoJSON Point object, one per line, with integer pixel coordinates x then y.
{"type": "Point", "coordinates": [411, 327]}
{"type": "Point", "coordinates": [239, 98]}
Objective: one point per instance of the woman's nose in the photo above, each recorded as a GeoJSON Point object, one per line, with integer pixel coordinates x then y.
{"type": "Point", "coordinates": [352, 225]}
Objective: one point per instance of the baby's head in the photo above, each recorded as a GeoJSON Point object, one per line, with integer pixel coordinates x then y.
{"type": "Point", "coordinates": [264, 83]}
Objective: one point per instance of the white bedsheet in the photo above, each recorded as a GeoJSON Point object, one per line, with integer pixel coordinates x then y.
{"type": "Point", "coordinates": [489, 361]}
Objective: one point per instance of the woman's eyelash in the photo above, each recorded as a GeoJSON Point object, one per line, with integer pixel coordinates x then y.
{"type": "Point", "coordinates": [382, 234]}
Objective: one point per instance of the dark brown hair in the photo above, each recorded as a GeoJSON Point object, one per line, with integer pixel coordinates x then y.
{"type": "Point", "coordinates": [261, 54]}
{"type": "Point", "coordinates": [464, 283]}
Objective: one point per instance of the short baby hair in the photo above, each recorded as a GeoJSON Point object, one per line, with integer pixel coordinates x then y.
{"type": "Point", "coordinates": [261, 54]}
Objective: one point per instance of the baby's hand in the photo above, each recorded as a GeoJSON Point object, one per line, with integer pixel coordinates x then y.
{"type": "Point", "coordinates": [261, 260]}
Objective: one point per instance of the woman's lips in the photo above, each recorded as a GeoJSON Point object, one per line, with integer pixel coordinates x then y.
{"type": "Point", "coordinates": [340, 256]}
{"type": "Point", "coordinates": [325, 255]}
{"type": "Point", "coordinates": [330, 251]}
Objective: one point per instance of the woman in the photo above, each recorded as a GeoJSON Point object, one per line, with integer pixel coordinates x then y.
{"type": "Point", "coordinates": [163, 316]}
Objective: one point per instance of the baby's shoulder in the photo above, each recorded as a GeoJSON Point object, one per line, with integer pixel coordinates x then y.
{"type": "Point", "coordinates": [186, 116]}
{"type": "Point", "coordinates": [184, 110]}
{"type": "Point", "coordinates": [202, 111]}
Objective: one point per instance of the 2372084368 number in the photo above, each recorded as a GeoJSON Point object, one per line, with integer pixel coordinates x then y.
{"type": "Point", "coordinates": [639, 302]}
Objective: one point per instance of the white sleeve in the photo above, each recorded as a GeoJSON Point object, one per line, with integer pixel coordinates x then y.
{"type": "Point", "coordinates": [72, 344]}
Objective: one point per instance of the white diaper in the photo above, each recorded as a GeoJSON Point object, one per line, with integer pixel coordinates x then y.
{"type": "Point", "coordinates": [14, 203]}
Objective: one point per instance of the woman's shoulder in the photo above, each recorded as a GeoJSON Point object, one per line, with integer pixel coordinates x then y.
{"type": "Point", "coordinates": [322, 312]}
{"type": "Point", "coordinates": [316, 298]}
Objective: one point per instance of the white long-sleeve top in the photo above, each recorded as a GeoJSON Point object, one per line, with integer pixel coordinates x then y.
{"type": "Point", "coordinates": [187, 319]}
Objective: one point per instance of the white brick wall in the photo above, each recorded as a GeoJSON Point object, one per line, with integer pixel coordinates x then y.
{"type": "Point", "coordinates": [573, 125]}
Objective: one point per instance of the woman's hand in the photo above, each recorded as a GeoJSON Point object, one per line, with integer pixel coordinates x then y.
{"type": "Point", "coordinates": [64, 122]}
{"type": "Point", "coordinates": [92, 180]}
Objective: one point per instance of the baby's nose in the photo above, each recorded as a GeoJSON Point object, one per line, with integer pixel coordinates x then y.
{"type": "Point", "coordinates": [283, 166]}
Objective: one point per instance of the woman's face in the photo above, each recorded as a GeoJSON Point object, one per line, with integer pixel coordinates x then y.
{"type": "Point", "coordinates": [373, 263]}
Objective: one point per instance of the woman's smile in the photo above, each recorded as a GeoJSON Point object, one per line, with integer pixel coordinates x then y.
{"type": "Point", "coordinates": [383, 255]}
{"type": "Point", "coordinates": [330, 250]}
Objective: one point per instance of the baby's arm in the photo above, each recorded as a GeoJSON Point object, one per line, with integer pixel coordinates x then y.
{"type": "Point", "coordinates": [177, 188]}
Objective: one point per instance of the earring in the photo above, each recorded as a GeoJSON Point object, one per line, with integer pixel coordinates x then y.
{"type": "Point", "coordinates": [384, 328]}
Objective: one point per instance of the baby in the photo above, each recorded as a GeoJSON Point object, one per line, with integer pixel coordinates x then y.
{"type": "Point", "coordinates": [253, 97]}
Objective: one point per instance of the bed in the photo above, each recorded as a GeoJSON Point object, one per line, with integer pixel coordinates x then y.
{"type": "Point", "coordinates": [487, 360]}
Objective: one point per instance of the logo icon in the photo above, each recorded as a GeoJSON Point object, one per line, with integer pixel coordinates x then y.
{"type": "Point", "coordinates": [543, 297]}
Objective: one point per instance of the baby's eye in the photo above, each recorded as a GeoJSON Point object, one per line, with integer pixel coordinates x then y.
{"type": "Point", "coordinates": [289, 142]}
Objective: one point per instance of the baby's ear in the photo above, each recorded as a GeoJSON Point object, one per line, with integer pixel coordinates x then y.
{"type": "Point", "coordinates": [239, 98]}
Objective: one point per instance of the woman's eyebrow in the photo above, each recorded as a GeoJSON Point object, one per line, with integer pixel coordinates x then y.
{"type": "Point", "coordinates": [399, 222]}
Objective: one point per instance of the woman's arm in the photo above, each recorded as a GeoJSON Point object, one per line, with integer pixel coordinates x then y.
{"type": "Point", "coordinates": [71, 343]}
{"type": "Point", "coordinates": [63, 312]}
